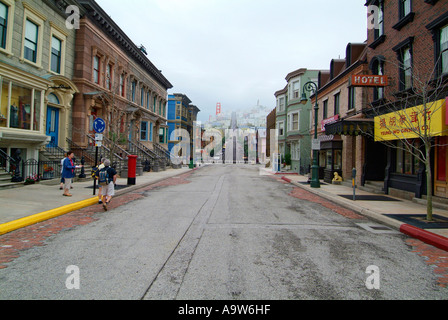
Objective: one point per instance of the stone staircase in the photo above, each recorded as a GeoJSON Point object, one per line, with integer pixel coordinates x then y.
{"type": "Point", "coordinates": [375, 187]}
{"type": "Point", "coordinates": [5, 180]}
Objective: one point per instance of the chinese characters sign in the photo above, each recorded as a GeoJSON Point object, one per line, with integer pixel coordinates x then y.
{"type": "Point", "coordinates": [410, 123]}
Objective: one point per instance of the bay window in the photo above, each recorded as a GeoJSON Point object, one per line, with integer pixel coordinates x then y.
{"type": "Point", "coordinates": [20, 106]}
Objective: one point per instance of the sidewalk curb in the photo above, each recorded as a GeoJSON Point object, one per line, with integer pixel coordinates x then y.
{"type": "Point", "coordinates": [409, 230]}
{"type": "Point", "coordinates": [46, 215]}
{"type": "Point", "coordinates": [425, 236]}
{"type": "Point", "coordinates": [54, 213]}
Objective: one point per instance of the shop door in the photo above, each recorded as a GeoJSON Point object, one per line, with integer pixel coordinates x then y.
{"type": "Point", "coordinates": [441, 179]}
{"type": "Point", "coordinates": [53, 125]}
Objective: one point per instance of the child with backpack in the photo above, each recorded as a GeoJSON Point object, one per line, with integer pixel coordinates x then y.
{"type": "Point", "coordinates": [107, 177]}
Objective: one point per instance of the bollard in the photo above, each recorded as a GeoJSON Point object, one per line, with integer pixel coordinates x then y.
{"type": "Point", "coordinates": [132, 169]}
{"type": "Point", "coordinates": [354, 183]}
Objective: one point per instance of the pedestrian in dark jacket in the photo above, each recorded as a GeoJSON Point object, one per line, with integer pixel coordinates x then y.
{"type": "Point", "coordinates": [68, 172]}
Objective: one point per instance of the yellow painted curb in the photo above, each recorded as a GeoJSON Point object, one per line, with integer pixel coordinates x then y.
{"type": "Point", "coordinates": [27, 221]}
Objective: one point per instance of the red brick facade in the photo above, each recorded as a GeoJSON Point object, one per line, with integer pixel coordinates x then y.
{"type": "Point", "coordinates": [414, 28]}
{"type": "Point", "coordinates": [117, 83]}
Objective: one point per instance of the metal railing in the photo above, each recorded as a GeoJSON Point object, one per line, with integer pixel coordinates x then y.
{"type": "Point", "coordinates": [6, 162]}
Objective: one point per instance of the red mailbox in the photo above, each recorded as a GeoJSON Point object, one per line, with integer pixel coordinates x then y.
{"type": "Point", "coordinates": [132, 169]}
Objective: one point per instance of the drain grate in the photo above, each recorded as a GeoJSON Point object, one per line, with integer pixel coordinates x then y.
{"type": "Point", "coordinates": [377, 228]}
{"type": "Point", "coordinates": [368, 197]}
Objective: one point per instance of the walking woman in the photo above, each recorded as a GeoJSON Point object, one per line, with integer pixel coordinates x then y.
{"type": "Point", "coordinates": [68, 173]}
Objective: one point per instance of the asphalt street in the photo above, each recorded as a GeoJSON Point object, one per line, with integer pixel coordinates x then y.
{"type": "Point", "coordinates": [224, 232]}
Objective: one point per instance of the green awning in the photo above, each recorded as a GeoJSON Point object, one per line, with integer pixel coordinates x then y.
{"type": "Point", "coordinates": [354, 127]}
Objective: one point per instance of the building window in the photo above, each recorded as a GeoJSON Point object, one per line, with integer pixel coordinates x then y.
{"type": "Point", "coordinates": [351, 98]}
{"type": "Point", "coordinates": [295, 151]}
{"type": "Point", "coordinates": [296, 90]}
{"type": "Point", "coordinates": [4, 9]}
{"type": "Point", "coordinates": [144, 131]}
{"type": "Point", "coordinates": [122, 85]}
{"type": "Point", "coordinates": [31, 38]}
{"type": "Point", "coordinates": [147, 100]}
{"type": "Point", "coordinates": [336, 103]}
{"type": "Point", "coordinates": [404, 56]}
{"type": "Point", "coordinates": [96, 69]}
{"type": "Point", "coordinates": [444, 49]}
{"type": "Point", "coordinates": [405, 8]}
{"type": "Point", "coordinates": [325, 110]}
{"type": "Point", "coordinates": [380, 30]}
{"type": "Point", "coordinates": [109, 76]}
{"type": "Point", "coordinates": [281, 128]}
{"type": "Point", "coordinates": [293, 121]}
{"type": "Point", "coordinates": [377, 68]}
{"type": "Point", "coordinates": [133, 88]}
{"type": "Point", "coordinates": [281, 104]}
{"type": "Point", "coordinates": [162, 135]}
{"type": "Point", "coordinates": [406, 69]}
{"type": "Point", "coordinates": [406, 162]}
{"type": "Point", "coordinates": [20, 107]}
{"type": "Point", "coordinates": [56, 54]}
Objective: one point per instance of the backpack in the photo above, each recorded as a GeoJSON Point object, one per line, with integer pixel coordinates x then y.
{"type": "Point", "coordinates": [103, 177]}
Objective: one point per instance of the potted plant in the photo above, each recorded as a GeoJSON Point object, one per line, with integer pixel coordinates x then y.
{"type": "Point", "coordinates": [287, 163]}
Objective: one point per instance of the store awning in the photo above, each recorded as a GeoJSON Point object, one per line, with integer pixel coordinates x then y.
{"type": "Point", "coordinates": [354, 127]}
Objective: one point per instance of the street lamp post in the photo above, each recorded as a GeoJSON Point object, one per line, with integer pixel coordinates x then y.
{"type": "Point", "coordinates": [312, 87]}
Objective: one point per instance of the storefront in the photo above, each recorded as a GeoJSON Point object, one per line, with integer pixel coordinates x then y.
{"type": "Point", "coordinates": [404, 132]}
{"type": "Point", "coordinates": [330, 157]}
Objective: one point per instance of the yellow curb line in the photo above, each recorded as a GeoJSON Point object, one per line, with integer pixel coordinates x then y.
{"type": "Point", "coordinates": [27, 221]}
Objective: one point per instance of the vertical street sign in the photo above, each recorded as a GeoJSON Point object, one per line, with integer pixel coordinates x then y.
{"type": "Point", "coordinates": [99, 125]}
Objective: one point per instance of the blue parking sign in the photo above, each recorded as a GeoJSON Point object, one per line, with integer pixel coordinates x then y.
{"type": "Point", "coordinates": [99, 125]}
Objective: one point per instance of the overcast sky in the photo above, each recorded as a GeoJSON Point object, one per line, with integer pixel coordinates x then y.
{"type": "Point", "coordinates": [238, 52]}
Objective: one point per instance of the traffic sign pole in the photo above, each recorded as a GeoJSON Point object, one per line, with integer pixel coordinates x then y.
{"type": "Point", "coordinates": [99, 125]}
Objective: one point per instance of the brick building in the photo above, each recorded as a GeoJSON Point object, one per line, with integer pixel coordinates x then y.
{"type": "Point", "coordinates": [408, 42]}
{"type": "Point", "coordinates": [340, 118]}
{"type": "Point", "coordinates": [118, 83]}
{"type": "Point", "coordinates": [270, 125]}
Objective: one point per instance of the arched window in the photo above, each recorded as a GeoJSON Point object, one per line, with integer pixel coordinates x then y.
{"type": "Point", "coordinates": [52, 98]}
{"type": "Point", "coordinates": [377, 68]}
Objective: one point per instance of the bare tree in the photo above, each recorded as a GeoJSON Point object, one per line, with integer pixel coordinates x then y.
{"type": "Point", "coordinates": [412, 119]}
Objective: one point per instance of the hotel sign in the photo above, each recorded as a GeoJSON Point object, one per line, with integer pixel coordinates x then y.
{"type": "Point", "coordinates": [369, 81]}
{"type": "Point", "coordinates": [410, 123]}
